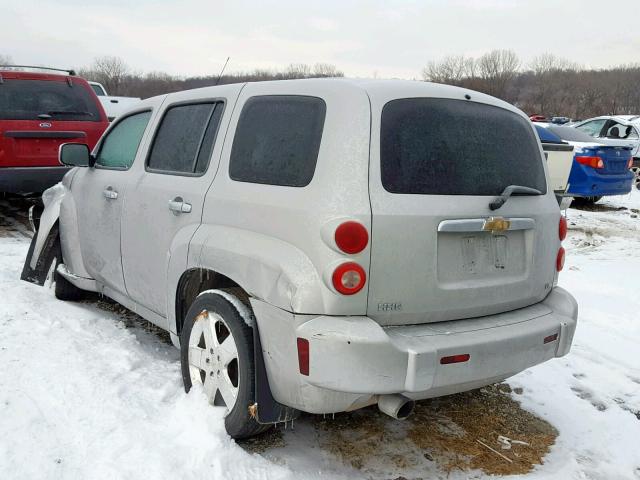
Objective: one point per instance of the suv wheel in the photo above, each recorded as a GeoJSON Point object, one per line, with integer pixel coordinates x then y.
{"type": "Point", "coordinates": [216, 347]}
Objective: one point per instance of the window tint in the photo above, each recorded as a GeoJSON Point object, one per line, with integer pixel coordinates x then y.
{"type": "Point", "coordinates": [453, 147]}
{"type": "Point", "coordinates": [184, 141]}
{"type": "Point", "coordinates": [99, 91]}
{"type": "Point", "coordinates": [26, 99]}
{"type": "Point", "coordinates": [277, 140]}
{"type": "Point", "coordinates": [592, 128]}
{"type": "Point", "coordinates": [119, 147]}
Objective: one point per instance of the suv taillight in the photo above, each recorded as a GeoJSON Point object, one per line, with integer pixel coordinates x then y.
{"type": "Point", "coordinates": [349, 278]}
{"type": "Point", "coordinates": [562, 234]}
{"type": "Point", "coordinates": [562, 228]}
{"type": "Point", "coordinates": [593, 162]}
{"type": "Point", "coordinates": [560, 259]}
{"type": "Point", "coordinates": [351, 237]}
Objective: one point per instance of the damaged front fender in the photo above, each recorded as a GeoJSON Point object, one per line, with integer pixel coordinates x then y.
{"type": "Point", "coordinates": [45, 245]}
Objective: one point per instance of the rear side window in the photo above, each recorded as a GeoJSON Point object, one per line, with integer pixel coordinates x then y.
{"type": "Point", "coordinates": [47, 100]}
{"type": "Point", "coordinates": [184, 141]}
{"type": "Point", "coordinates": [436, 146]}
{"type": "Point", "coordinates": [118, 149]}
{"type": "Point", "coordinates": [277, 140]}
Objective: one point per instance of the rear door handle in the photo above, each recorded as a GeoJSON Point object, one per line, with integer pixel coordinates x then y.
{"type": "Point", "coordinates": [178, 206]}
{"type": "Point", "coordinates": [109, 193]}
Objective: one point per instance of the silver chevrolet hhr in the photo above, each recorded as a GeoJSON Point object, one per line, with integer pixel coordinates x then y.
{"type": "Point", "coordinates": [319, 245]}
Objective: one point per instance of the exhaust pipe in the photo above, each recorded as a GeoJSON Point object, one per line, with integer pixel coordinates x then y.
{"type": "Point", "coordinates": [396, 406]}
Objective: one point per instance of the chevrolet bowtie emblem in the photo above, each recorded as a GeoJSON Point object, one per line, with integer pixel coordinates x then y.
{"type": "Point", "coordinates": [496, 225]}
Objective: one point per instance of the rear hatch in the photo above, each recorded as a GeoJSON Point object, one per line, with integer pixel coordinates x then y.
{"type": "Point", "coordinates": [437, 250]}
{"type": "Point", "coordinates": [40, 112]}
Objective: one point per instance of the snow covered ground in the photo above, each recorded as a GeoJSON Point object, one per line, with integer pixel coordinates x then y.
{"type": "Point", "coordinates": [90, 393]}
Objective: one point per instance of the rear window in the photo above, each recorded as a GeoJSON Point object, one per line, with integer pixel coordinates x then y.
{"type": "Point", "coordinates": [44, 100]}
{"type": "Point", "coordinates": [572, 134]}
{"type": "Point", "coordinates": [277, 140]}
{"type": "Point", "coordinates": [436, 146]}
{"type": "Point", "coordinates": [184, 141]}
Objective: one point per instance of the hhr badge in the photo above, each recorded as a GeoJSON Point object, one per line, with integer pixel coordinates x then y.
{"type": "Point", "coordinates": [496, 225]}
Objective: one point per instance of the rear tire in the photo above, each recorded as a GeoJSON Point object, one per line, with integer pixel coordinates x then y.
{"type": "Point", "coordinates": [636, 180]}
{"type": "Point", "coordinates": [587, 200]}
{"type": "Point", "coordinates": [216, 351]}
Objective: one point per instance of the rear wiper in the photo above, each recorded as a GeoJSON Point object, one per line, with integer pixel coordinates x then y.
{"type": "Point", "coordinates": [69, 112]}
{"type": "Point", "coordinates": [510, 190]}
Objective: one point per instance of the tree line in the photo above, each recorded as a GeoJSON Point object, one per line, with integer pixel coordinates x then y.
{"type": "Point", "coordinates": [548, 85]}
{"type": "Point", "coordinates": [119, 79]}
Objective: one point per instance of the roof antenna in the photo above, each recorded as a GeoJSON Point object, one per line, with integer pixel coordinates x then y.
{"type": "Point", "coordinates": [222, 71]}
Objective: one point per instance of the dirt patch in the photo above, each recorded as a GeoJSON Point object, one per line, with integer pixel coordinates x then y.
{"type": "Point", "coordinates": [479, 430]}
{"type": "Point", "coordinates": [128, 318]}
{"type": "Point", "coordinates": [262, 443]}
{"type": "Point", "coordinates": [594, 207]}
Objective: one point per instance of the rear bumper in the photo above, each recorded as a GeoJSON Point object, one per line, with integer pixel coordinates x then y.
{"type": "Point", "coordinates": [353, 359]}
{"type": "Point", "coordinates": [30, 179]}
{"type": "Point", "coordinates": [587, 182]}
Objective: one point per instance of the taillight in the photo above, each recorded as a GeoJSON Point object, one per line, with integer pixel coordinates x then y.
{"type": "Point", "coordinates": [349, 278]}
{"type": "Point", "coordinates": [560, 259]}
{"type": "Point", "coordinates": [630, 163]}
{"type": "Point", "coordinates": [593, 162]}
{"type": "Point", "coordinates": [351, 237]}
{"type": "Point", "coordinates": [562, 228]}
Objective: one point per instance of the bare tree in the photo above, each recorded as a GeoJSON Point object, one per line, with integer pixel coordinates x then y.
{"type": "Point", "coordinates": [326, 70]}
{"type": "Point", "coordinates": [452, 70]}
{"type": "Point", "coordinates": [111, 72]}
{"type": "Point", "coordinates": [298, 70]}
{"type": "Point", "coordinates": [5, 59]}
{"type": "Point", "coordinates": [497, 69]}
{"type": "Point", "coordinates": [545, 92]}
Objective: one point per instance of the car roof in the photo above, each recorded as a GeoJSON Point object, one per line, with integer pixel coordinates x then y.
{"type": "Point", "coordinates": [26, 75]}
{"type": "Point", "coordinates": [374, 88]}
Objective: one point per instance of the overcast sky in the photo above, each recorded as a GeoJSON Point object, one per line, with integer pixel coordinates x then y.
{"type": "Point", "coordinates": [364, 39]}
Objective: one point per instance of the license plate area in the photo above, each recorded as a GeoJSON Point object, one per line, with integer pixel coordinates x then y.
{"type": "Point", "coordinates": [471, 257]}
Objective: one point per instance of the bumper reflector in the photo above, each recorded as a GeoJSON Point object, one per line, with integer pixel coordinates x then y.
{"type": "Point", "coordinates": [455, 359]}
{"type": "Point", "coordinates": [551, 338]}
{"type": "Point", "coordinates": [303, 356]}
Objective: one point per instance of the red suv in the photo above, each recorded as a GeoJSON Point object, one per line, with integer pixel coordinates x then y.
{"type": "Point", "coordinates": [38, 113]}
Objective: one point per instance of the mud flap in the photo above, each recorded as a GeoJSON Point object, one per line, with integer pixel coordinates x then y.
{"type": "Point", "coordinates": [268, 410]}
{"type": "Point", "coordinates": [50, 250]}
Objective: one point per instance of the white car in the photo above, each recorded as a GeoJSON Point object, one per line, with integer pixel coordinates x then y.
{"type": "Point", "coordinates": [113, 106]}
{"type": "Point", "coordinates": [320, 245]}
{"type": "Point", "coordinates": [619, 127]}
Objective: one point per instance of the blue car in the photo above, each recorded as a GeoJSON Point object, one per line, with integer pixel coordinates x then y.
{"type": "Point", "coordinates": [600, 167]}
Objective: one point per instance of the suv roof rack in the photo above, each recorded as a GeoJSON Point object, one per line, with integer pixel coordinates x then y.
{"type": "Point", "coordinates": [69, 71]}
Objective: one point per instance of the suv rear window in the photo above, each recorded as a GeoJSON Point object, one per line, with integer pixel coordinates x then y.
{"type": "Point", "coordinates": [26, 99]}
{"type": "Point", "coordinates": [277, 140]}
{"type": "Point", "coordinates": [437, 146]}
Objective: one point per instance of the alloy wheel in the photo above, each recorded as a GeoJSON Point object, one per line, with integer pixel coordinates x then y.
{"type": "Point", "coordinates": [213, 359]}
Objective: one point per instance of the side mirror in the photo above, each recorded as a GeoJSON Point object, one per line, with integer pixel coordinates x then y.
{"type": "Point", "coordinates": [75, 155]}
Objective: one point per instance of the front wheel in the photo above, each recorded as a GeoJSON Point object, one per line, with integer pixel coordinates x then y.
{"type": "Point", "coordinates": [216, 347]}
